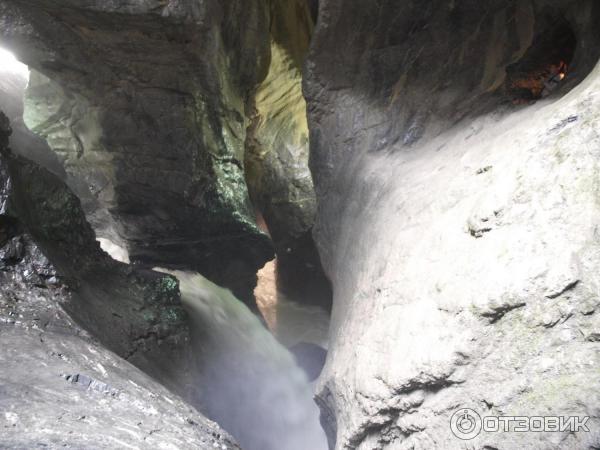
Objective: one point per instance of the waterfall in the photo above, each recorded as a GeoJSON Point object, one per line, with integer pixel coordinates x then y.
{"type": "Point", "coordinates": [250, 383]}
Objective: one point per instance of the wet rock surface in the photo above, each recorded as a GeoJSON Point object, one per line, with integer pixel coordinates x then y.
{"type": "Point", "coordinates": [144, 104]}
{"type": "Point", "coordinates": [60, 388]}
{"type": "Point", "coordinates": [459, 229]}
{"type": "Point", "coordinates": [136, 313]}
{"type": "Point", "coordinates": [158, 114]}
{"type": "Point", "coordinates": [277, 153]}
{"type": "Point", "coordinates": [456, 182]}
{"type": "Point", "coordinates": [62, 384]}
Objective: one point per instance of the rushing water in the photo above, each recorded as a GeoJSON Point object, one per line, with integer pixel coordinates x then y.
{"type": "Point", "coordinates": [250, 382]}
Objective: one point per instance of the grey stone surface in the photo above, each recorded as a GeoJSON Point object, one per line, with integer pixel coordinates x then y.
{"type": "Point", "coordinates": [135, 313]}
{"type": "Point", "coordinates": [146, 110]}
{"type": "Point", "coordinates": [456, 218]}
{"type": "Point", "coordinates": [460, 230]}
{"type": "Point", "coordinates": [144, 105]}
{"type": "Point", "coordinates": [160, 112]}
{"type": "Point", "coordinates": [60, 388]}
{"type": "Point", "coordinates": [276, 161]}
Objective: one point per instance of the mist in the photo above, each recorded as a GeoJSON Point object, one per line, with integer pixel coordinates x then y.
{"type": "Point", "coordinates": [250, 383]}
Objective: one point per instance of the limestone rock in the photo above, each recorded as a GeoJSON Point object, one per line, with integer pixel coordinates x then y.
{"type": "Point", "coordinates": [135, 313]}
{"type": "Point", "coordinates": [62, 389]}
{"type": "Point", "coordinates": [277, 154]}
{"type": "Point", "coordinates": [146, 110]}
{"type": "Point", "coordinates": [458, 226]}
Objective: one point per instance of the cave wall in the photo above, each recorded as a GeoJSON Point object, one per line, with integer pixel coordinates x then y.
{"type": "Point", "coordinates": [134, 313]}
{"type": "Point", "coordinates": [459, 229]}
{"type": "Point", "coordinates": [70, 127]}
{"type": "Point", "coordinates": [277, 153]}
{"type": "Point", "coordinates": [146, 109]}
{"type": "Point", "coordinates": [61, 387]}
{"type": "Point", "coordinates": [163, 114]}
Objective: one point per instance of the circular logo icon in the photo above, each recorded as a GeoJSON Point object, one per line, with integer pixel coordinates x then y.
{"type": "Point", "coordinates": [465, 424]}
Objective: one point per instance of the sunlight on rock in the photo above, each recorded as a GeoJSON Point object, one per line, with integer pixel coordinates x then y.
{"type": "Point", "coordinates": [9, 63]}
{"type": "Point", "coordinates": [116, 252]}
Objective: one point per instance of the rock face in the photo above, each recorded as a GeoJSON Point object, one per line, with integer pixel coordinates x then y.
{"type": "Point", "coordinates": [276, 162]}
{"type": "Point", "coordinates": [135, 313]}
{"type": "Point", "coordinates": [454, 152]}
{"type": "Point", "coordinates": [146, 105]}
{"type": "Point", "coordinates": [60, 386]}
{"type": "Point", "coordinates": [159, 113]}
{"type": "Point", "coordinates": [457, 222]}
{"type": "Point", "coordinates": [147, 112]}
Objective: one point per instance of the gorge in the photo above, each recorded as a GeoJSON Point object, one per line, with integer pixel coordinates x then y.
{"type": "Point", "coordinates": [299, 224]}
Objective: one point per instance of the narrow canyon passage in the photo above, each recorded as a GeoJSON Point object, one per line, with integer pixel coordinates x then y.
{"type": "Point", "coordinates": [247, 379]}
{"type": "Point", "coordinates": [300, 224]}
{"type": "Point", "coordinates": [228, 365]}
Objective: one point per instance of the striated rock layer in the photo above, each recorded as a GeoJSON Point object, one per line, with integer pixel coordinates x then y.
{"type": "Point", "coordinates": [457, 218]}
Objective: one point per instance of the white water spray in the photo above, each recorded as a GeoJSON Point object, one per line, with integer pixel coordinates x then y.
{"type": "Point", "coordinates": [250, 383]}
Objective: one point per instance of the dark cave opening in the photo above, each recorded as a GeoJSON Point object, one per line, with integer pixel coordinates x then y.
{"type": "Point", "coordinates": [545, 66]}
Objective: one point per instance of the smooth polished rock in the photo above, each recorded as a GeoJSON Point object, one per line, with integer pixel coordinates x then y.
{"type": "Point", "coordinates": [459, 225]}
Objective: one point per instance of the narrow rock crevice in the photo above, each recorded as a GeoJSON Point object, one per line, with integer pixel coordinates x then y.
{"type": "Point", "coordinates": [175, 198]}
{"type": "Point", "coordinates": [406, 192]}
{"type": "Point", "coordinates": [277, 154]}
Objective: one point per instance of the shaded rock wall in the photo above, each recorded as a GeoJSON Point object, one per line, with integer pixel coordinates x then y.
{"type": "Point", "coordinates": [135, 313]}
{"type": "Point", "coordinates": [459, 229]}
{"type": "Point", "coordinates": [145, 105]}
{"type": "Point", "coordinates": [160, 113]}
{"type": "Point", "coordinates": [150, 102]}
{"type": "Point", "coordinates": [62, 388]}
{"type": "Point", "coordinates": [276, 163]}
{"type": "Point", "coordinates": [70, 126]}
{"type": "Point", "coordinates": [61, 384]}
